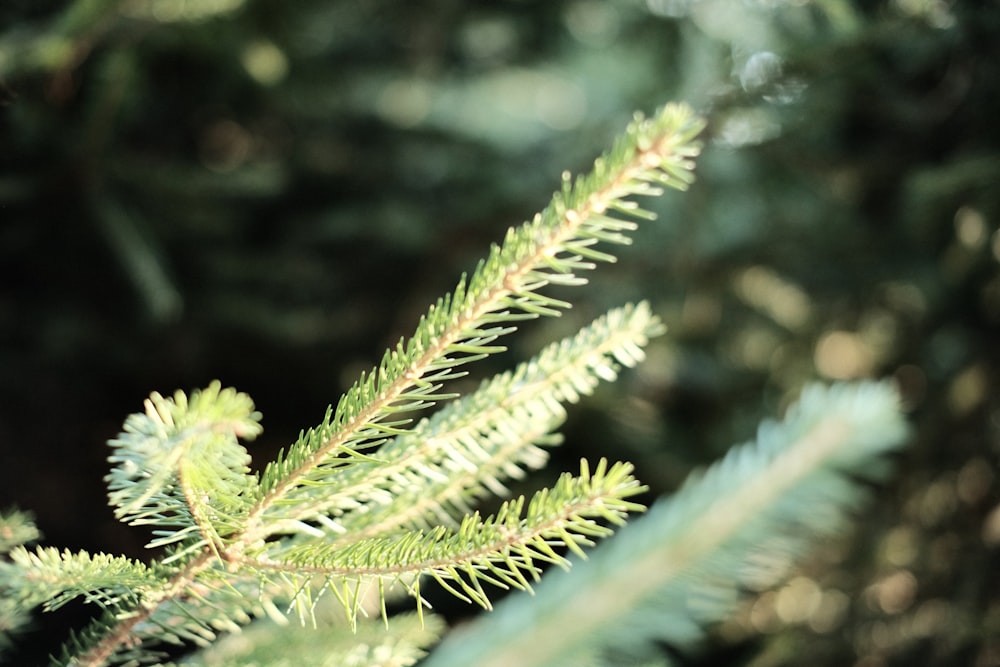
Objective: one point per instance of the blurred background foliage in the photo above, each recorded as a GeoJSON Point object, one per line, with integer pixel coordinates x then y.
{"type": "Point", "coordinates": [271, 193]}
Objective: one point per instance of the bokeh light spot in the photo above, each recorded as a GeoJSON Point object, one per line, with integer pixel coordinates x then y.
{"type": "Point", "coordinates": [798, 600]}
{"type": "Point", "coordinates": [974, 481]}
{"type": "Point", "coordinates": [900, 546]}
{"type": "Point", "coordinates": [970, 227]}
{"type": "Point", "coordinates": [831, 612]}
{"type": "Point", "coordinates": [894, 593]}
{"type": "Point", "coordinates": [783, 301]}
{"type": "Point", "coordinates": [265, 62]}
{"type": "Point", "coordinates": [842, 355]}
{"type": "Point", "coordinates": [592, 22]}
{"type": "Point", "coordinates": [404, 102]}
{"type": "Point", "coordinates": [991, 528]}
{"type": "Point", "coordinates": [967, 390]}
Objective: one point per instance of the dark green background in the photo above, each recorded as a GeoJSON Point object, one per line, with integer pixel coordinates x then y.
{"type": "Point", "coordinates": [272, 193]}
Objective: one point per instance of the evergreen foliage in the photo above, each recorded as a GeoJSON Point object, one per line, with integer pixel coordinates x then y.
{"type": "Point", "coordinates": [260, 191]}
{"type": "Point", "coordinates": [368, 503]}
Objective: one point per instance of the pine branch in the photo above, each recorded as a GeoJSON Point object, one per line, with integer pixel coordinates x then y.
{"type": "Point", "coordinates": [180, 468]}
{"type": "Point", "coordinates": [192, 608]}
{"type": "Point", "coordinates": [430, 475]}
{"type": "Point", "coordinates": [463, 327]}
{"type": "Point", "coordinates": [92, 646]}
{"type": "Point", "coordinates": [49, 577]}
{"type": "Point", "coordinates": [122, 638]}
{"type": "Point", "coordinates": [504, 550]}
{"type": "Point", "coordinates": [740, 525]}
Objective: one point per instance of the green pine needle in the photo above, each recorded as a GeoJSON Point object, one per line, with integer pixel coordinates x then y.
{"type": "Point", "coordinates": [49, 577]}
{"type": "Point", "coordinates": [465, 451]}
{"type": "Point", "coordinates": [180, 468]}
{"type": "Point", "coordinates": [504, 288]}
{"type": "Point", "coordinates": [506, 549]}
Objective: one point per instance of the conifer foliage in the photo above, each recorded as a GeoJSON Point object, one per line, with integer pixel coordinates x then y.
{"type": "Point", "coordinates": [373, 502]}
